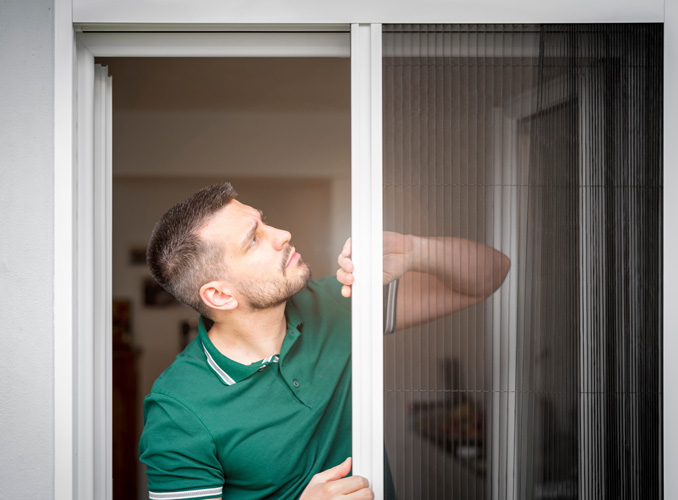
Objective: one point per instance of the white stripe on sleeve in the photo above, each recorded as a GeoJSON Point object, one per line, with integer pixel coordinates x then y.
{"type": "Point", "coordinates": [182, 495]}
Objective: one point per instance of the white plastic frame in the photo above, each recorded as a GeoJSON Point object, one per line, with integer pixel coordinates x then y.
{"type": "Point", "coordinates": [282, 44]}
{"type": "Point", "coordinates": [65, 206]}
{"type": "Point", "coordinates": [366, 230]}
{"type": "Point", "coordinates": [670, 251]}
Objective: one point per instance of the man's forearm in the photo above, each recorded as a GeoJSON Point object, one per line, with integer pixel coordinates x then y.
{"type": "Point", "coordinates": [438, 276]}
{"type": "Point", "coordinates": [462, 265]}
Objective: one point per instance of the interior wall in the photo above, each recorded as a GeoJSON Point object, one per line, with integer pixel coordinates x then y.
{"type": "Point", "coordinates": [250, 117]}
{"type": "Point", "coordinates": [26, 249]}
{"type": "Point", "coordinates": [241, 117]}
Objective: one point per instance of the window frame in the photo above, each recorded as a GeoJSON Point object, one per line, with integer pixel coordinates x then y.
{"type": "Point", "coordinates": [67, 475]}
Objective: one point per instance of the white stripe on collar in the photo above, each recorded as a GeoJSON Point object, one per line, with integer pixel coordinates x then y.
{"type": "Point", "coordinates": [222, 374]}
{"type": "Point", "coordinates": [273, 358]}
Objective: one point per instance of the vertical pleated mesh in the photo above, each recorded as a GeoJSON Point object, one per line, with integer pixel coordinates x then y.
{"type": "Point", "coordinates": [544, 142]}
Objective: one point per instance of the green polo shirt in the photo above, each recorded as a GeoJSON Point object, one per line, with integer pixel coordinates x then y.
{"type": "Point", "coordinates": [215, 427]}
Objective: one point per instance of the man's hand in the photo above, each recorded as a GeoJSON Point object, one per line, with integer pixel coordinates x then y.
{"type": "Point", "coordinates": [397, 260]}
{"type": "Point", "coordinates": [345, 271]}
{"type": "Point", "coordinates": [333, 483]}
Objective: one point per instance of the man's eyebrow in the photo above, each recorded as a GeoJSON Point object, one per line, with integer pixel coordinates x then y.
{"type": "Point", "coordinates": [250, 235]}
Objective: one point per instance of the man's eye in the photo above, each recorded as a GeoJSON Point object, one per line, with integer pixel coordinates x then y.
{"type": "Point", "coordinates": [253, 242]}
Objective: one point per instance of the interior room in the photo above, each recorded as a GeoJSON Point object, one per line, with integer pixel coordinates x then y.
{"type": "Point", "coordinates": [277, 129]}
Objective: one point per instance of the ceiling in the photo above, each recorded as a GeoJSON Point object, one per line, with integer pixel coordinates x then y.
{"type": "Point", "coordinates": [300, 84]}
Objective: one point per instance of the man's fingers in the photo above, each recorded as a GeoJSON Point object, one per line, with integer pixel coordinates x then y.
{"type": "Point", "coordinates": [346, 251]}
{"type": "Point", "coordinates": [345, 278]}
{"type": "Point", "coordinates": [347, 486]}
{"type": "Point", "coordinates": [345, 271]}
{"type": "Point", "coordinates": [364, 494]}
{"type": "Point", "coordinates": [336, 472]}
{"type": "Point", "coordinates": [345, 262]}
{"type": "Point", "coordinates": [333, 483]}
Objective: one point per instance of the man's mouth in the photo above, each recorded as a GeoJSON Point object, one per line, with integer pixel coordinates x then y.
{"type": "Point", "coordinates": [293, 257]}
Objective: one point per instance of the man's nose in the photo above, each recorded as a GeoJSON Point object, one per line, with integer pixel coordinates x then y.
{"type": "Point", "coordinates": [280, 238]}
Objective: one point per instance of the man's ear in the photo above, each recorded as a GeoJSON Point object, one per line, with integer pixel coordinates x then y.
{"type": "Point", "coordinates": [217, 295]}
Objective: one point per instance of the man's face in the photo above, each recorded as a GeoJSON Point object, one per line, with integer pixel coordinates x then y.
{"type": "Point", "coordinates": [263, 267]}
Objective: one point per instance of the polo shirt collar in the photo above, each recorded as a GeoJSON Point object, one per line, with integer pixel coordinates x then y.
{"type": "Point", "coordinates": [231, 372]}
{"type": "Point", "coordinates": [294, 319]}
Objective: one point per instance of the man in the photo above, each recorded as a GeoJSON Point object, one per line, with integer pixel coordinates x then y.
{"type": "Point", "coordinates": [259, 406]}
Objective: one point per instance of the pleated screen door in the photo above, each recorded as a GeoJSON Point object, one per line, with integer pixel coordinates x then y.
{"type": "Point", "coordinates": [543, 143]}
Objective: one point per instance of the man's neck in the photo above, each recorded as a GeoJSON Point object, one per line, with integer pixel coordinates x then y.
{"type": "Point", "coordinates": [249, 336]}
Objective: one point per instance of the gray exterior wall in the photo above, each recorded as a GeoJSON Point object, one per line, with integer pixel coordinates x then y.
{"type": "Point", "coordinates": [26, 249]}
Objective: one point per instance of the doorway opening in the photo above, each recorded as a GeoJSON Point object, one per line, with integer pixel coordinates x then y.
{"type": "Point", "coordinates": [278, 129]}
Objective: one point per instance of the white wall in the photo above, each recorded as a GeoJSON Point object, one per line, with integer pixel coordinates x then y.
{"type": "Point", "coordinates": [26, 249]}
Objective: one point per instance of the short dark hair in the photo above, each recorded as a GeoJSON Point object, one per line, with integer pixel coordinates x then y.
{"type": "Point", "coordinates": [179, 260]}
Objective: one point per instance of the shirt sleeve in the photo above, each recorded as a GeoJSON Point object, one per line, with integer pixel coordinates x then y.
{"type": "Point", "coordinates": [179, 452]}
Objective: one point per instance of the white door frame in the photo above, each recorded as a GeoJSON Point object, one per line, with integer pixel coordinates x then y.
{"type": "Point", "coordinates": [367, 242]}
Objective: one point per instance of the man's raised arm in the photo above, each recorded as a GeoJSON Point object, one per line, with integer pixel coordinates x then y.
{"type": "Point", "coordinates": [437, 275]}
